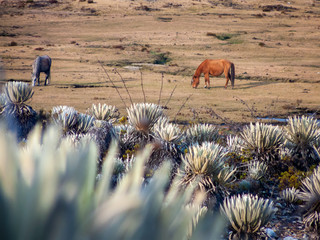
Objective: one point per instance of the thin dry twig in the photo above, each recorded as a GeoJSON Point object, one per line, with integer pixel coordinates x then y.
{"type": "Point", "coordinates": [182, 107]}
{"type": "Point", "coordinates": [160, 88]}
{"type": "Point", "coordinates": [213, 114]}
{"type": "Point", "coordinates": [105, 71]}
{"type": "Point", "coordinates": [144, 95]}
{"type": "Point", "coordinates": [252, 110]}
{"type": "Point", "coordinates": [124, 84]}
{"type": "Point", "coordinates": [170, 96]}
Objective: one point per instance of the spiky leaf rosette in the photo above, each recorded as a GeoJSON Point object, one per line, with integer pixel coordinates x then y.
{"type": "Point", "coordinates": [104, 134]}
{"type": "Point", "coordinates": [204, 163]}
{"type": "Point", "coordinates": [104, 112]}
{"type": "Point", "coordinates": [66, 117]}
{"type": "Point", "coordinates": [3, 102]}
{"type": "Point", "coordinates": [200, 133]}
{"type": "Point", "coordinates": [290, 195]}
{"type": "Point", "coordinates": [247, 214]}
{"type": "Point", "coordinates": [170, 138]}
{"type": "Point", "coordinates": [84, 123]}
{"type": "Point", "coordinates": [234, 144]}
{"type": "Point", "coordinates": [20, 117]}
{"type": "Point", "coordinates": [310, 194]}
{"type": "Point", "coordinates": [257, 170]}
{"type": "Point", "coordinates": [263, 142]}
{"type": "Point", "coordinates": [142, 116]}
{"type": "Point", "coordinates": [18, 92]}
{"type": "Point", "coordinates": [302, 134]}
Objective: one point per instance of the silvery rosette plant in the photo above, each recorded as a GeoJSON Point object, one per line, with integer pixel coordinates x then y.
{"type": "Point", "coordinates": [302, 135]}
{"type": "Point", "coordinates": [3, 102]}
{"type": "Point", "coordinates": [257, 170]}
{"type": "Point", "coordinates": [18, 92]}
{"type": "Point", "coordinates": [84, 123]}
{"type": "Point", "coordinates": [310, 195]}
{"type": "Point", "coordinates": [171, 140]}
{"type": "Point", "coordinates": [104, 112]}
{"type": "Point", "coordinates": [263, 142]}
{"type": "Point", "coordinates": [19, 116]}
{"type": "Point", "coordinates": [206, 165]}
{"type": "Point", "coordinates": [65, 117]}
{"type": "Point", "coordinates": [142, 116]}
{"type": "Point", "coordinates": [200, 133]}
{"type": "Point", "coordinates": [290, 195]}
{"type": "Point", "coordinates": [234, 144]}
{"type": "Point", "coordinates": [246, 215]}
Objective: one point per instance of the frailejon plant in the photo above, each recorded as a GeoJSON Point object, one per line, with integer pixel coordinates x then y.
{"type": "Point", "coordinates": [142, 116]}
{"type": "Point", "coordinates": [49, 189]}
{"type": "Point", "coordinates": [302, 134]}
{"type": "Point", "coordinates": [20, 117]}
{"type": "Point", "coordinates": [234, 144]}
{"type": "Point", "coordinates": [65, 117]}
{"type": "Point", "coordinates": [263, 142]}
{"type": "Point", "coordinates": [205, 164]}
{"type": "Point", "coordinates": [18, 92]}
{"type": "Point", "coordinates": [257, 170]}
{"type": "Point", "coordinates": [246, 214]}
{"type": "Point", "coordinates": [310, 194]}
{"type": "Point", "coordinates": [170, 138]}
{"type": "Point", "coordinates": [104, 133]}
{"type": "Point", "coordinates": [84, 123]}
{"type": "Point", "coordinates": [104, 112]}
{"type": "Point", "coordinates": [3, 102]}
{"type": "Point", "coordinates": [200, 133]}
{"type": "Point", "coordinates": [290, 195]}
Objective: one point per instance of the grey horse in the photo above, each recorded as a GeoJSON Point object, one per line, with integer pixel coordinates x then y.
{"type": "Point", "coordinates": [41, 64]}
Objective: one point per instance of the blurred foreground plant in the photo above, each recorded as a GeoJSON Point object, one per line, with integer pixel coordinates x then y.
{"type": "Point", "coordinates": [48, 190]}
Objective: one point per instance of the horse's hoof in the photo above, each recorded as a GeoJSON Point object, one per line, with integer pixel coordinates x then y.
{"type": "Point", "coordinates": [205, 86]}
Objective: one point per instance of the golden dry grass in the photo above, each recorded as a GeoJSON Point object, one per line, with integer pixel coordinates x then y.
{"type": "Point", "coordinates": [276, 54]}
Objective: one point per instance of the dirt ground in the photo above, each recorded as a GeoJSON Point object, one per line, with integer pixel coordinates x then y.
{"type": "Point", "coordinates": [274, 45]}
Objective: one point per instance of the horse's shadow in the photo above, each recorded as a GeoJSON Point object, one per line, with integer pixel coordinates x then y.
{"type": "Point", "coordinates": [242, 86]}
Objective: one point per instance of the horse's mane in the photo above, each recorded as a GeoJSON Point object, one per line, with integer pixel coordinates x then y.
{"type": "Point", "coordinates": [199, 69]}
{"type": "Point", "coordinates": [36, 65]}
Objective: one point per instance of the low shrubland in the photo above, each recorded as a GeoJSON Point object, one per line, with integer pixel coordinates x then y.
{"type": "Point", "coordinates": [68, 175]}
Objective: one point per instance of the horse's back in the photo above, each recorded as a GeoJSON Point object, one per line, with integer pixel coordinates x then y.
{"type": "Point", "coordinates": [44, 63]}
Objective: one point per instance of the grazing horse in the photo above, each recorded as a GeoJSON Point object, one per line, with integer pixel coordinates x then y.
{"type": "Point", "coordinates": [214, 68]}
{"type": "Point", "coordinates": [41, 64]}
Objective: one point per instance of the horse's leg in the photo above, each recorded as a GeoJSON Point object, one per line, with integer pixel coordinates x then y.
{"type": "Point", "coordinates": [207, 80]}
{"type": "Point", "coordinates": [226, 73]}
{"type": "Point", "coordinates": [38, 78]}
{"type": "Point", "coordinates": [46, 81]}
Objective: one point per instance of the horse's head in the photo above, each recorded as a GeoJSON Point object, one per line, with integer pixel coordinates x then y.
{"type": "Point", "coordinates": [195, 81]}
{"type": "Point", "coordinates": [33, 79]}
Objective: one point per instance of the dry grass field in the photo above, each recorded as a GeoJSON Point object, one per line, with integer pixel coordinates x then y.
{"type": "Point", "coordinates": [274, 45]}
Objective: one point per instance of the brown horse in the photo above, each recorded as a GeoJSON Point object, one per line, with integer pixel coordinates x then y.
{"type": "Point", "coordinates": [214, 68]}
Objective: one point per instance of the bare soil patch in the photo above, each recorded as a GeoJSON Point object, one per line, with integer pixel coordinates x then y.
{"type": "Point", "coordinates": [274, 46]}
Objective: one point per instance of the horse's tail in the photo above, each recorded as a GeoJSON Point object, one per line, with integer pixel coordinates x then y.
{"type": "Point", "coordinates": [49, 71]}
{"type": "Point", "coordinates": [232, 74]}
